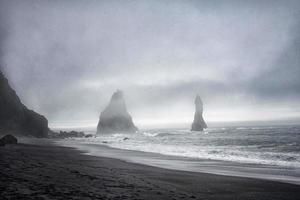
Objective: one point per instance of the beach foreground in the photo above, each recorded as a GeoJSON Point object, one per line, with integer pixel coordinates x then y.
{"type": "Point", "coordinates": [52, 172]}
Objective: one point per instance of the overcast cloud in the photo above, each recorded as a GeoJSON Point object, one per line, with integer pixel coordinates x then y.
{"type": "Point", "coordinates": [66, 58]}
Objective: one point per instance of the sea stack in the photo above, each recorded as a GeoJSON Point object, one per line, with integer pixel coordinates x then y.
{"type": "Point", "coordinates": [15, 117]}
{"type": "Point", "coordinates": [115, 118]}
{"type": "Point", "coordinates": [199, 123]}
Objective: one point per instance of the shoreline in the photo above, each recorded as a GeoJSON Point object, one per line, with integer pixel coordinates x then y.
{"type": "Point", "coordinates": [217, 167]}
{"type": "Point", "coordinates": [48, 171]}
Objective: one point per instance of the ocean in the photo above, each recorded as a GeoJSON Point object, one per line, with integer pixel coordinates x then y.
{"type": "Point", "coordinates": [254, 151]}
{"type": "Point", "coordinates": [273, 145]}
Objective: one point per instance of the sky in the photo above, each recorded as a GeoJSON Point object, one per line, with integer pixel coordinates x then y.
{"type": "Point", "coordinates": [66, 58]}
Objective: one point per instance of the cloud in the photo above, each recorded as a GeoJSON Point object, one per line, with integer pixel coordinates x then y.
{"type": "Point", "coordinates": [65, 58]}
{"type": "Point", "coordinates": [282, 80]}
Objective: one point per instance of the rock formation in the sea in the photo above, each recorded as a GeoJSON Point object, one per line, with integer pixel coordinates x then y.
{"type": "Point", "coordinates": [66, 134]}
{"type": "Point", "coordinates": [115, 118]}
{"type": "Point", "coordinates": [199, 123]}
{"type": "Point", "coordinates": [15, 117]}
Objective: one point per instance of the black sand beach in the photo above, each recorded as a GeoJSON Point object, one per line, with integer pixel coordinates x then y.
{"type": "Point", "coordinates": [219, 167]}
{"type": "Point", "coordinates": [53, 172]}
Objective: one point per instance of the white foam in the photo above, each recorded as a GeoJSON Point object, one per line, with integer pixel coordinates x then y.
{"type": "Point", "coordinates": [259, 152]}
{"type": "Point", "coordinates": [195, 145]}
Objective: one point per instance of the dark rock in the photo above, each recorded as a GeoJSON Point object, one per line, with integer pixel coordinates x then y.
{"type": "Point", "coordinates": [8, 139]}
{"type": "Point", "coordinates": [16, 117]}
{"type": "Point", "coordinates": [199, 123]}
{"type": "Point", "coordinates": [125, 138]}
{"type": "Point", "coordinates": [89, 135]}
{"type": "Point", "coordinates": [115, 118]}
{"type": "Point", "coordinates": [66, 134]}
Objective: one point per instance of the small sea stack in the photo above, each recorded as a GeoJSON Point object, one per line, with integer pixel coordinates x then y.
{"type": "Point", "coordinates": [115, 117]}
{"type": "Point", "coordinates": [199, 123]}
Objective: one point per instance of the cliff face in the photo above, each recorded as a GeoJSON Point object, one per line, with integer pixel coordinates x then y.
{"type": "Point", "coordinates": [15, 117]}
{"type": "Point", "coordinates": [199, 123]}
{"type": "Point", "coordinates": [115, 118]}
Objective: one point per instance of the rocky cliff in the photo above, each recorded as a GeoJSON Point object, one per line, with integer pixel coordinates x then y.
{"type": "Point", "coordinates": [115, 118]}
{"type": "Point", "coordinates": [199, 123]}
{"type": "Point", "coordinates": [15, 117]}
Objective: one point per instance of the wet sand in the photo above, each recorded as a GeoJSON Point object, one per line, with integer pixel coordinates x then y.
{"type": "Point", "coordinates": [47, 171]}
{"type": "Point", "coordinates": [219, 167]}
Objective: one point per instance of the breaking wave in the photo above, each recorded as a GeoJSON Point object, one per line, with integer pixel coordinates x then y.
{"type": "Point", "coordinates": [258, 145]}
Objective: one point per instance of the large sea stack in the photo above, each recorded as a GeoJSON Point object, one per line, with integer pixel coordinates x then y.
{"type": "Point", "coordinates": [115, 118]}
{"type": "Point", "coordinates": [15, 117]}
{"type": "Point", "coordinates": [199, 123]}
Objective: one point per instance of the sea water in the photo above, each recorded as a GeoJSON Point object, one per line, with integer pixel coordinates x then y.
{"type": "Point", "coordinates": [266, 145]}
